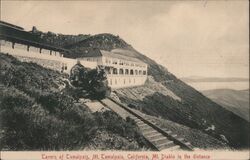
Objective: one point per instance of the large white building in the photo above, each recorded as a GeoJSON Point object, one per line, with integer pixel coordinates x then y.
{"type": "Point", "coordinates": [122, 71]}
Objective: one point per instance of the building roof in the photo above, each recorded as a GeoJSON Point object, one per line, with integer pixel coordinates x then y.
{"type": "Point", "coordinates": [2, 23]}
{"type": "Point", "coordinates": [16, 34]}
{"type": "Point", "coordinates": [94, 52]}
{"type": "Point", "coordinates": [118, 56]}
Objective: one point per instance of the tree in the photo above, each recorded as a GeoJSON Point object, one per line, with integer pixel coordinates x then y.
{"type": "Point", "coordinates": [93, 81]}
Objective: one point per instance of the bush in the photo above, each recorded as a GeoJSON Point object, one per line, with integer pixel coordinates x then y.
{"type": "Point", "coordinates": [28, 125]}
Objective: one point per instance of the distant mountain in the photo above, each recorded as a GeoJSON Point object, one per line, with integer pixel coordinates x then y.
{"type": "Point", "coordinates": [193, 79]}
{"type": "Point", "coordinates": [233, 100]}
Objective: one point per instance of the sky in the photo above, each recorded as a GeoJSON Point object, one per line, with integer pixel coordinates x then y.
{"type": "Point", "coordinates": [189, 38]}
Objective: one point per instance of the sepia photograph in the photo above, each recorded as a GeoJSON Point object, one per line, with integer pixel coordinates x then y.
{"type": "Point", "coordinates": [124, 80]}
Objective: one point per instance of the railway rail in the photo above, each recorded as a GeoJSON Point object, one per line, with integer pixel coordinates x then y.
{"type": "Point", "coordinates": [159, 138]}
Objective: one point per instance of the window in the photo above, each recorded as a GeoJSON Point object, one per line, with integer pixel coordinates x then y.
{"type": "Point", "coordinates": [126, 71]}
{"type": "Point", "coordinates": [114, 71]}
{"type": "Point", "coordinates": [144, 72]}
{"type": "Point", "coordinates": [121, 71]}
{"type": "Point", "coordinates": [131, 72]}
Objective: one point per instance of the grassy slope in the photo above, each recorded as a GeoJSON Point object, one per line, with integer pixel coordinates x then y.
{"type": "Point", "coordinates": [233, 100]}
{"type": "Point", "coordinates": [35, 115]}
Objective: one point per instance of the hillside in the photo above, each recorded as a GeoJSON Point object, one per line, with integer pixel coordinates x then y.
{"type": "Point", "coordinates": [236, 101]}
{"type": "Point", "coordinates": [59, 40]}
{"type": "Point", "coordinates": [36, 115]}
{"type": "Point", "coordinates": [103, 41]}
{"type": "Point", "coordinates": [193, 109]}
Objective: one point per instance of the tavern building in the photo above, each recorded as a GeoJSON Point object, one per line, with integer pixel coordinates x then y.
{"type": "Point", "coordinates": [122, 71]}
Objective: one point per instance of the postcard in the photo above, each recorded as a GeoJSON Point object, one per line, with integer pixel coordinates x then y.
{"type": "Point", "coordinates": [124, 80]}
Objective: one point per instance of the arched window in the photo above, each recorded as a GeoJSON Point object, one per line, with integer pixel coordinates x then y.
{"type": "Point", "coordinates": [114, 71]}
{"type": "Point", "coordinates": [126, 71]}
{"type": "Point", "coordinates": [121, 71]}
{"type": "Point", "coordinates": [131, 72]}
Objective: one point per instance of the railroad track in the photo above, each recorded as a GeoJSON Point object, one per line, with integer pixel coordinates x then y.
{"type": "Point", "coordinates": [159, 138]}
